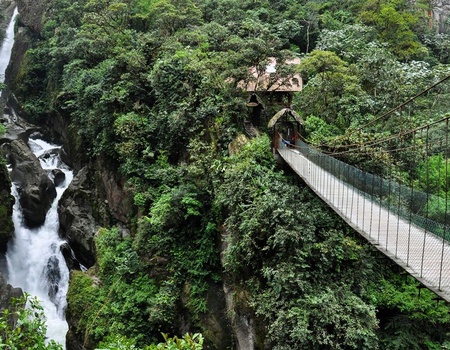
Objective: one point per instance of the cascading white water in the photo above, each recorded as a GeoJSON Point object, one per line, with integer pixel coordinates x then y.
{"type": "Point", "coordinates": [34, 259]}
{"type": "Point", "coordinates": [35, 262]}
{"type": "Point", "coordinates": [6, 48]}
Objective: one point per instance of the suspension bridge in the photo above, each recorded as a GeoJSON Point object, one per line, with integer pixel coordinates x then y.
{"type": "Point", "coordinates": [403, 210]}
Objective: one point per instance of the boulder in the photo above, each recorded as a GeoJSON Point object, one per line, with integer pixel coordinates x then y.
{"type": "Point", "coordinates": [52, 274]}
{"type": "Point", "coordinates": [78, 210]}
{"type": "Point", "coordinates": [7, 293]}
{"type": "Point", "coordinates": [36, 190]}
{"type": "Point", "coordinates": [50, 154]}
{"type": "Point", "coordinates": [58, 177]}
{"type": "Point", "coordinates": [70, 258]}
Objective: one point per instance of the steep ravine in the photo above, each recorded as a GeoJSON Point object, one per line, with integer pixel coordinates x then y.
{"type": "Point", "coordinates": [6, 199]}
{"type": "Point", "coordinates": [97, 196]}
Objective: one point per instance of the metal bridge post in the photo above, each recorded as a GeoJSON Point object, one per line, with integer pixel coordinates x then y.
{"type": "Point", "coordinates": [428, 197]}
{"type": "Point", "coordinates": [371, 206]}
{"type": "Point", "coordinates": [379, 211]}
{"type": "Point", "coordinates": [398, 220]}
{"type": "Point", "coordinates": [353, 192]}
{"type": "Point", "coordinates": [410, 205]}
{"type": "Point", "coordinates": [444, 235]}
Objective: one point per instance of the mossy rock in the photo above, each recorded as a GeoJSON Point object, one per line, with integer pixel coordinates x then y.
{"type": "Point", "coordinates": [6, 207]}
{"type": "Point", "coordinates": [83, 303]}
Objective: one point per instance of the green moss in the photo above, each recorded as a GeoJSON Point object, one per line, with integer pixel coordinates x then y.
{"type": "Point", "coordinates": [7, 202]}
{"type": "Point", "coordinates": [84, 301]}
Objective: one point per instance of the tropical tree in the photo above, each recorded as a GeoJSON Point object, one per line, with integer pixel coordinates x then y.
{"type": "Point", "coordinates": [333, 90]}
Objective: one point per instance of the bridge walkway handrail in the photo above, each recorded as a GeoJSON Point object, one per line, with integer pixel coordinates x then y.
{"type": "Point", "coordinates": [375, 207]}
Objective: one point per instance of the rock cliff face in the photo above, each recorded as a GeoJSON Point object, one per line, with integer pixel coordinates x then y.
{"type": "Point", "coordinates": [97, 196]}
{"type": "Point", "coordinates": [441, 12]}
{"type": "Point", "coordinates": [31, 13]}
{"type": "Point", "coordinates": [17, 133]}
{"type": "Point", "coordinates": [6, 200]}
{"type": "Point", "coordinates": [6, 204]}
{"type": "Point", "coordinates": [78, 209]}
{"type": "Point", "coordinates": [7, 293]}
{"type": "Point", "coordinates": [36, 190]}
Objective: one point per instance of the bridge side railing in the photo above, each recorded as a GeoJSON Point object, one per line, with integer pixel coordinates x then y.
{"type": "Point", "coordinates": [408, 203]}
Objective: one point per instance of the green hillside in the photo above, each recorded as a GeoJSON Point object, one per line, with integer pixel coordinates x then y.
{"type": "Point", "coordinates": [223, 239]}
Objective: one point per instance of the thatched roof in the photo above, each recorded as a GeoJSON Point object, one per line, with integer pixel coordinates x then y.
{"type": "Point", "coordinates": [271, 80]}
{"type": "Point", "coordinates": [278, 115]}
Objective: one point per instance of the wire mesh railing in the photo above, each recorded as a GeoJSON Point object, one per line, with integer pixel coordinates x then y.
{"type": "Point", "coordinates": [398, 194]}
{"type": "Point", "coordinates": [405, 201]}
{"type": "Point", "coordinates": [392, 216]}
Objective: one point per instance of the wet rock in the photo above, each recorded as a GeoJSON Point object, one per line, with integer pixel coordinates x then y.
{"type": "Point", "coordinates": [58, 177]}
{"type": "Point", "coordinates": [7, 293]}
{"type": "Point", "coordinates": [16, 127]}
{"type": "Point", "coordinates": [36, 190]}
{"type": "Point", "coordinates": [78, 209]}
{"type": "Point", "coordinates": [70, 258]}
{"type": "Point", "coordinates": [51, 153]}
{"type": "Point", "coordinates": [216, 321]}
{"type": "Point", "coordinates": [52, 273]}
{"type": "Point", "coordinates": [6, 209]}
{"type": "Point", "coordinates": [94, 199]}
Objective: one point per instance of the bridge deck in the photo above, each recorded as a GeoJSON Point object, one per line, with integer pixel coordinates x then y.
{"type": "Point", "coordinates": [422, 254]}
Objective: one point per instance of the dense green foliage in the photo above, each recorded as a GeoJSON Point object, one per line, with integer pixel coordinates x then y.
{"type": "Point", "coordinates": [187, 342]}
{"type": "Point", "coordinates": [24, 327]}
{"type": "Point", "coordinates": [150, 86]}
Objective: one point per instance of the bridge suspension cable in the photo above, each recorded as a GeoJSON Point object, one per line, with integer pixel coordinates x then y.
{"type": "Point", "coordinates": [357, 146]}
{"type": "Point", "coordinates": [400, 202]}
{"type": "Point", "coordinates": [360, 129]}
{"type": "Point", "coordinates": [403, 211]}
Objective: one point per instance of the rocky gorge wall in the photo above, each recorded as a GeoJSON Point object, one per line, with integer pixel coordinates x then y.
{"type": "Point", "coordinates": [97, 196]}
{"type": "Point", "coordinates": [7, 292]}
{"type": "Point", "coordinates": [6, 200]}
{"type": "Point", "coordinates": [102, 202]}
{"type": "Point", "coordinates": [441, 12]}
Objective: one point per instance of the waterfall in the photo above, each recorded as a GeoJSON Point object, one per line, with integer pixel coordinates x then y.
{"type": "Point", "coordinates": [6, 48]}
{"type": "Point", "coordinates": [34, 259]}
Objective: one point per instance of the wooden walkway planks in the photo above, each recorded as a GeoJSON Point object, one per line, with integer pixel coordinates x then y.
{"type": "Point", "coordinates": [423, 255]}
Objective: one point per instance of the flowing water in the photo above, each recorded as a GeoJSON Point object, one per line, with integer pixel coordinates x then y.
{"type": "Point", "coordinates": [34, 259]}
{"type": "Point", "coordinates": [35, 262]}
{"type": "Point", "coordinates": [6, 48]}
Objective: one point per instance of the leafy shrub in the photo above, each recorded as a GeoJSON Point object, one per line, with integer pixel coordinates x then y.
{"type": "Point", "coordinates": [187, 342]}
{"type": "Point", "coordinates": [23, 327]}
